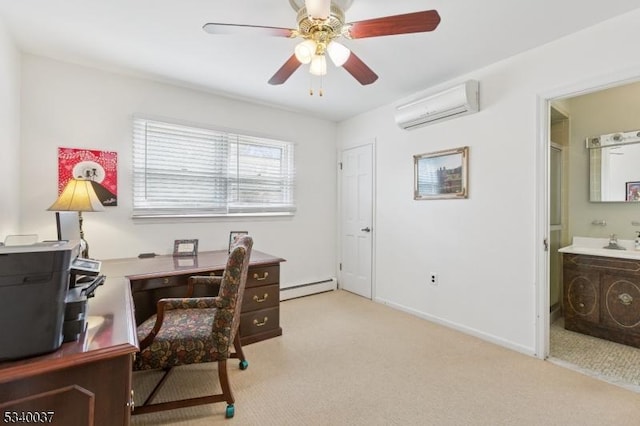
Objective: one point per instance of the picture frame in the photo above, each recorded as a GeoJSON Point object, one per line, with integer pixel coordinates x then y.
{"type": "Point", "coordinates": [100, 167]}
{"type": "Point", "coordinates": [441, 174]}
{"type": "Point", "coordinates": [185, 248]}
{"type": "Point", "coordinates": [233, 235]}
{"type": "Point", "coordinates": [632, 191]}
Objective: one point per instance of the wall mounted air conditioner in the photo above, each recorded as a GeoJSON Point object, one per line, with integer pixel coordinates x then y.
{"type": "Point", "coordinates": [423, 109]}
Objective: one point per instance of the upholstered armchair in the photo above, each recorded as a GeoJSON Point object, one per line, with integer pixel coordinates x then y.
{"type": "Point", "coordinates": [197, 330]}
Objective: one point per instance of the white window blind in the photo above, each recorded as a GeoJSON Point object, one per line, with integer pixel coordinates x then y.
{"type": "Point", "coordinates": [180, 170]}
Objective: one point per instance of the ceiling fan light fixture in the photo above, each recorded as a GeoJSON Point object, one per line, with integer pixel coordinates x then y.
{"type": "Point", "coordinates": [318, 9]}
{"type": "Point", "coordinates": [318, 65]}
{"type": "Point", "coordinates": [304, 51]}
{"type": "Point", "coordinates": [342, 4]}
{"type": "Point", "coordinates": [338, 53]}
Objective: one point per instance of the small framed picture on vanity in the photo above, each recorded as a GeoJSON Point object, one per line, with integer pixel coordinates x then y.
{"type": "Point", "coordinates": [185, 248]}
{"type": "Point", "coordinates": [233, 235]}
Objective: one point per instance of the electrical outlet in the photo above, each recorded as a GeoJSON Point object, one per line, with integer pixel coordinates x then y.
{"type": "Point", "coordinates": [433, 278]}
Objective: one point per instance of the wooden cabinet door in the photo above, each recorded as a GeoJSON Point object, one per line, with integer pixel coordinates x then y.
{"type": "Point", "coordinates": [621, 302]}
{"type": "Point", "coordinates": [581, 295]}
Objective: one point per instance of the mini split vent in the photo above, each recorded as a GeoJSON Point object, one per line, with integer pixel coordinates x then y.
{"type": "Point", "coordinates": [423, 109]}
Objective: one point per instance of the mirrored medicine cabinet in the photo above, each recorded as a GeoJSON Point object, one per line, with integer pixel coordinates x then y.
{"type": "Point", "coordinates": [614, 167]}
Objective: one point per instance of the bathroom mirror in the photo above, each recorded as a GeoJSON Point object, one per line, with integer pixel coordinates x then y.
{"type": "Point", "coordinates": [614, 174]}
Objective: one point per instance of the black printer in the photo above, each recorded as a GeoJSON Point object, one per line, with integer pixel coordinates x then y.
{"type": "Point", "coordinates": [41, 304]}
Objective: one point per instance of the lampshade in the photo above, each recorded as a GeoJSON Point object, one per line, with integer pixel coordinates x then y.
{"type": "Point", "coordinates": [318, 65]}
{"type": "Point", "coordinates": [338, 53]}
{"type": "Point", "coordinates": [304, 51]}
{"type": "Point", "coordinates": [78, 196]}
{"type": "Point", "coordinates": [318, 9]}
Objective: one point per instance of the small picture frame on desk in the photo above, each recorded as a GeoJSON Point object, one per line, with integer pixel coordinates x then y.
{"type": "Point", "coordinates": [233, 236]}
{"type": "Point", "coordinates": [183, 248]}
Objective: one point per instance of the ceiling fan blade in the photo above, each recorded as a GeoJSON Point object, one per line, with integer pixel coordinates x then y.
{"type": "Point", "coordinates": [417, 22]}
{"type": "Point", "coordinates": [285, 71]}
{"type": "Point", "coordinates": [217, 28]}
{"type": "Point", "coordinates": [359, 70]}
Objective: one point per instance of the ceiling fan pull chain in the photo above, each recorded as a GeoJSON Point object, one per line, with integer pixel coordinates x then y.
{"type": "Point", "coordinates": [321, 92]}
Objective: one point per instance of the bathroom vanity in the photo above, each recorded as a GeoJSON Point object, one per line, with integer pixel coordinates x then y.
{"type": "Point", "coordinates": [601, 290]}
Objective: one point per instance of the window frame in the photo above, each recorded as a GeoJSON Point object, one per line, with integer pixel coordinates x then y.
{"type": "Point", "coordinates": [275, 194]}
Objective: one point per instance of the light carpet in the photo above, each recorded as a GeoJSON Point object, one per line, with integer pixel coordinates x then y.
{"type": "Point", "coordinates": [345, 360]}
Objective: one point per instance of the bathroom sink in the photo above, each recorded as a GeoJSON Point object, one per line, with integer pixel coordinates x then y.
{"type": "Point", "coordinates": [597, 247]}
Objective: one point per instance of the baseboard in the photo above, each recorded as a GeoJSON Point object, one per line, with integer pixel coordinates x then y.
{"type": "Point", "coordinates": [308, 289]}
{"type": "Point", "coordinates": [555, 314]}
{"type": "Point", "coordinates": [467, 330]}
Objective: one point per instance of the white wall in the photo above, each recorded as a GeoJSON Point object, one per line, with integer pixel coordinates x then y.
{"type": "Point", "coordinates": [484, 248]}
{"type": "Point", "coordinates": [9, 134]}
{"type": "Point", "coordinates": [608, 111]}
{"type": "Point", "coordinates": [65, 105]}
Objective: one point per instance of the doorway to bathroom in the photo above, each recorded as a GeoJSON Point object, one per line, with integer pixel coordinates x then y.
{"type": "Point", "coordinates": [568, 118]}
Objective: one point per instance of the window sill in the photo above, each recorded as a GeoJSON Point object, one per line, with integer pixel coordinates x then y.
{"type": "Point", "coordinates": [204, 217]}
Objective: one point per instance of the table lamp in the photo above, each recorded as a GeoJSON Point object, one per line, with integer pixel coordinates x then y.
{"type": "Point", "coordinates": [78, 196]}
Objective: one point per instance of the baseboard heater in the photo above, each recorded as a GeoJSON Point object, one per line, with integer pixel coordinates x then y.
{"type": "Point", "coordinates": [308, 289]}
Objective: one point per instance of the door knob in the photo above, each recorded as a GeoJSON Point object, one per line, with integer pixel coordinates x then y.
{"type": "Point", "coordinates": [367, 229]}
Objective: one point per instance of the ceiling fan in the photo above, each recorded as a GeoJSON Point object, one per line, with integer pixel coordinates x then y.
{"type": "Point", "coordinates": [320, 23]}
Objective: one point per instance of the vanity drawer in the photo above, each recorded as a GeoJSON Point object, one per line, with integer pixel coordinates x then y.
{"type": "Point", "coordinates": [262, 297]}
{"type": "Point", "coordinates": [258, 322]}
{"type": "Point", "coordinates": [263, 275]}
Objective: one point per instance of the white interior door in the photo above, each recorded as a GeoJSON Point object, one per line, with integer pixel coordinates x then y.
{"type": "Point", "coordinates": [356, 222]}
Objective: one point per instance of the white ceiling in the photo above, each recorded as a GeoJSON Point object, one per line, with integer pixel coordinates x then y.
{"type": "Point", "coordinates": [164, 39]}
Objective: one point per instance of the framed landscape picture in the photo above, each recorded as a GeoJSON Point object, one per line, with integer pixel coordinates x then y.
{"type": "Point", "coordinates": [441, 174]}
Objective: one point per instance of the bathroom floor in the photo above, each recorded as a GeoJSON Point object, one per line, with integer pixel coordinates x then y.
{"type": "Point", "coordinates": [608, 361]}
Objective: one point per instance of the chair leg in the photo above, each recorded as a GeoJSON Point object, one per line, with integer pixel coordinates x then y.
{"type": "Point", "coordinates": [224, 381]}
{"type": "Point", "coordinates": [244, 364]}
{"type": "Point", "coordinates": [225, 396]}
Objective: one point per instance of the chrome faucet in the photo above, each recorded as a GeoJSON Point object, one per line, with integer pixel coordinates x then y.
{"type": "Point", "coordinates": [613, 243]}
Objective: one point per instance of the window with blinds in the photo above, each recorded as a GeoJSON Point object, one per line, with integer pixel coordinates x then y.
{"type": "Point", "coordinates": [180, 170]}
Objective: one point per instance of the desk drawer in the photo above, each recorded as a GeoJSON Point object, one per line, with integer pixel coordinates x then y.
{"type": "Point", "coordinates": [151, 283]}
{"type": "Point", "coordinates": [263, 275]}
{"type": "Point", "coordinates": [263, 297]}
{"type": "Point", "coordinates": [258, 322]}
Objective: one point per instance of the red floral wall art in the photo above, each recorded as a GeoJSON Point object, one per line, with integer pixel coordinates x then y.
{"type": "Point", "coordinates": [100, 167]}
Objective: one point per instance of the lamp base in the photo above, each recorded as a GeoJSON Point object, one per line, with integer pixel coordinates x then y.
{"type": "Point", "coordinates": [84, 248]}
{"type": "Point", "coordinates": [84, 245]}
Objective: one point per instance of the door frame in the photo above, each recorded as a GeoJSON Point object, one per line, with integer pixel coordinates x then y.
{"type": "Point", "coordinates": [543, 141]}
{"type": "Point", "coordinates": [562, 227]}
{"type": "Point", "coordinates": [372, 143]}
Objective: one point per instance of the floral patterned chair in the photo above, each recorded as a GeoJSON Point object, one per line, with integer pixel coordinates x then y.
{"type": "Point", "coordinates": [197, 330]}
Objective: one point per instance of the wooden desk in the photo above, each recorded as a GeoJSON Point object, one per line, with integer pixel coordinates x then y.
{"type": "Point", "coordinates": [88, 382]}
{"type": "Point", "coordinates": [166, 276]}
